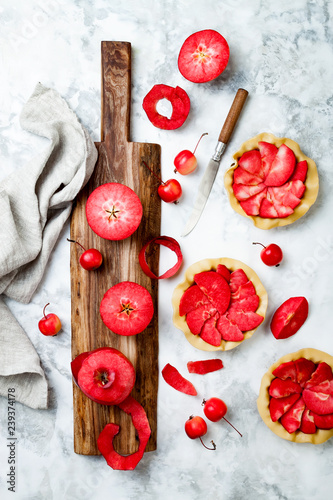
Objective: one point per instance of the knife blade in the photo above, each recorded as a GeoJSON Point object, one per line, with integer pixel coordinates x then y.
{"type": "Point", "coordinates": [209, 176]}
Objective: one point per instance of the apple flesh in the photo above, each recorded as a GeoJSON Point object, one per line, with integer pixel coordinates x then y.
{"type": "Point", "coordinates": [114, 211]}
{"type": "Point", "coordinates": [289, 317]}
{"type": "Point", "coordinates": [127, 308]}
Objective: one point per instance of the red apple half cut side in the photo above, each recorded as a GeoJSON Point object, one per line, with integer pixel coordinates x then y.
{"type": "Point", "coordinates": [127, 308]}
{"type": "Point", "coordinates": [203, 56]}
{"type": "Point", "coordinates": [307, 199]}
{"type": "Point", "coordinates": [105, 375]}
{"type": "Point", "coordinates": [212, 265]}
{"type": "Point", "coordinates": [114, 211]}
{"type": "Point", "coordinates": [263, 401]}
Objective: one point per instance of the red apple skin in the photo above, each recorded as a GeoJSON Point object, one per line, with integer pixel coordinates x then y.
{"type": "Point", "coordinates": [185, 162]}
{"type": "Point", "coordinates": [91, 259]}
{"type": "Point", "coordinates": [170, 191]}
{"type": "Point", "coordinates": [50, 325]}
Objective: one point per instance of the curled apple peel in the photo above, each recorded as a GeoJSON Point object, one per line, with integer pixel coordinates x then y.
{"type": "Point", "coordinates": [168, 242]}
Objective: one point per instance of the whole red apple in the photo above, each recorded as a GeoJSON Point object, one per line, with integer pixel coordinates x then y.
{"type": "Point", "coordinates": [50, 324]}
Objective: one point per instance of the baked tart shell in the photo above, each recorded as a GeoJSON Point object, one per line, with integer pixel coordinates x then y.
{"type": "Point", "coordinates": [321, 435]}
{"type": "Point", "coordinates": [211, 265]}
{"type": "Point", "coordinates": [311, 181]}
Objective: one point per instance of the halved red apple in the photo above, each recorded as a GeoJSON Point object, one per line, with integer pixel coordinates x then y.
{"type": "Point", "coordinates": [114, 211]}
{"type": "Point", "coordinates": [281, 182]}
{"type": "Point", "coordinates": [218, 331]}
{"type": "Point", "coordinates": [296, 420]}
{"type": "Point", "coordinates": [127, 308]}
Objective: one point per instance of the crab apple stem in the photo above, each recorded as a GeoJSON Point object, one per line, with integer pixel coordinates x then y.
{"type": "Point", "coordinates": [73, 241]}
{"type": "Point", "coordinates": [257, 243]}
{"type": "Point", "coordinates": [233, 426]}
{"type": "Point", "coordinates": [203, 444]}
{"type": "Point", "coordinates": [155, 175]}
{"type": "Point", "coordinates": [45, 308]}
{"type": "Point", "coordinates": [206, 133]}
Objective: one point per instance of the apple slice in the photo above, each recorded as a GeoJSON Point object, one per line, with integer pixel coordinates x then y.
{"type": "Point", "coordinates": [223, 271]}
{"type": "Point", "coordinates": [288, 194]}
{"type": "Point", "coordinates": [237, 278]}
{"type": "Point", "coordinates": [291, 420]}
{"type": "Point", "coordinates": [242, 176]}
{"type": "Point", "coordinates": [105, 376]}
{"type": "Point", "coordinates": [229, 330]}
{"type": "Point", "coordinates": [191, 299]}
{"type": "Point", "coordinates": [282, 167]}
{"type": "Point", "coordinates": [127, 308]}
{"type": "Point", "coordinates": [251, 206]}
{"type": "Point", "coordinates": [251, 162]}
{"type": "Point", "coordinates": [322, 373]}
{"type": "Point", "coordinates": [165, 241]}
{"type": "Point", "coordinates": [180, 102]}
{"type": "Point", "coordinates": [281, 209]}
{"type": "Point", "coordinates": [323, 421]}
{"type": "Point", "coordinates": [268, 153]}
{"type": "Point", "coordinates": [196, 318]}
{"type": "Point", "coordinates": [203, 56]}
{"type": "Point", "coordinates": [245, 320]}
{"type": "Point", "coordinates": [248, 304]}
{"type": "Point", "coordinates": [204, 366]}
{"type": "Point", "coordinates": [209, 332]}
{"type": "Point", "coordinates": [267, 209]}
{"type": "Point", "coordinates": [308, 425]}
{"type": "Point", "coordinates": [289, 317]}
{"type": "Point", "coordinates": [286, 370]}
{"type": "Point", "coordinates": [243, 192]}
{"type": "Point", "coordinates": [244, 291]}
{"type": "Point", "coordinates": [283, 388]}
{"type": "Point", "coordinates": [113, 211]}
{"type": "Point", "coordinates": [105, 439]}
{"type": "Point", "coordinates": [304, 370]}
{"type": "Point", "coordinates": [318, 402]}
{"type": "Point", "coordinates": [300, 171]}
{"type": "Point", "coordinates": [215, 287]}
{"type": "Point", "coordinates": [172, 377]}
{"type": "Point", "coordinates": [278, 407]}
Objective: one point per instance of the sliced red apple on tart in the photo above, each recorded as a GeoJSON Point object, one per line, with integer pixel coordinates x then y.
{"type": "Point", "coordinates": [237, 304]}
{"type": "Point", "coordinates": [271, 181]}
{"type": "Point", "coordinates": [290, 409]}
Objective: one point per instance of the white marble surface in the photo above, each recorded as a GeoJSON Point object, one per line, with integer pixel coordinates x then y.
{"type": "Point", "coordinates": [281, 52]}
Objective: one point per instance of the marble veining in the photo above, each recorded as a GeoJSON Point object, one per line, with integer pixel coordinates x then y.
{"type": "Point", "coordinates": [281, 52]}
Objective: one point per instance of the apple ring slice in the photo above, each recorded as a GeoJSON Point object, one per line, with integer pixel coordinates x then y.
{"type": "Point", "coordinates": [255, 182]}
{"type": "Point", "coordinates": [285, 371]}
{"type": "Point", "coordinates": [224, 266]}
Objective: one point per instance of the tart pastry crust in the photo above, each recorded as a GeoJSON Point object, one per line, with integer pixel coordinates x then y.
{"type": "Point", "coordinates": [211, 265]}
{"type": "Point", "coordinates": [311, 181]}
{"type": "Point", "coordinates": [321, 435]}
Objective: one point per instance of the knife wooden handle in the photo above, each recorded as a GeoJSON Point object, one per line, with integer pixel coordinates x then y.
{"type": "Point", "coordinates": [233, 115]}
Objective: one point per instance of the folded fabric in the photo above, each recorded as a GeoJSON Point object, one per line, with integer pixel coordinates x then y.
{"type": "Point", "coordinates": [35, 202]}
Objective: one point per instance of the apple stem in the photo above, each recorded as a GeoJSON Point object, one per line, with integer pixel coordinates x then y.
{"type": "Point", "coordinates": [257, 243]}
{"type": "Point", "coordinates": [45, 308]}
{"type": "Point", "coordinates": [73, 241]}
{"type": "Point", "coordinates": [203, 444]}
{"type": "Point", "coordinates": [155, 175]}
{"type": "Point", "coordinates": [233, 426]}
{"type": "Point", "coordinates": [206, 133]}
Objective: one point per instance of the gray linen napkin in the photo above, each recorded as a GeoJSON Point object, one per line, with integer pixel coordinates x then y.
{"type": "Point", "coordinates": [35, 202]}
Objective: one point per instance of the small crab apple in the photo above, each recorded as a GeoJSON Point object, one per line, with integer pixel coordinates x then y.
{"type": "Point", "coordinates": [185, 162]}
{"type": "Point", "coordinates": [215, 409]}
{"type": "Point", "coordinates": [196, 427]}
{"type": "Point", "coordinates": [91, 259]}
{"type": "Point", "coordinates": [271, 255]}
{"type": "Point", "coordinates": [50, 324]}
{"type": "Point", "coordinates": [169, 191]}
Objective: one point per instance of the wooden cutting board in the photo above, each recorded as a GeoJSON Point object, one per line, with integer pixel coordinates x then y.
{"type": "Point", "coordinates": [119, 160]}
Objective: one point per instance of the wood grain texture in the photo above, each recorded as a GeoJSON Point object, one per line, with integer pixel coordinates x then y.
{"type": "Point", "coordinates": [118, 161]}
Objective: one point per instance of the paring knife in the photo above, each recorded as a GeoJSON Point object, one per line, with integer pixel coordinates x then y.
{"type": "Point", "coordinates": [208, 178]}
